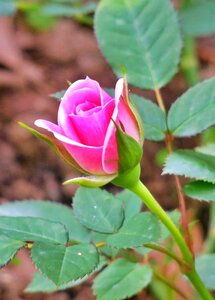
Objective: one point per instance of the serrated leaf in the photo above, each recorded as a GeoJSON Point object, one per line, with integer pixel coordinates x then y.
{"type": "Point", "coordinates": [50, 211]}
{"type": "Point", "coordinates": [131, 203]}
{"type": "Point", "coordinates": [138, 34]}
{"type": "Point", "coordinates": [207, 149]}
{"type": "Point", "coordinates": [194, 111]}
{"type": "Point", "coordinates": [122, 279]}
{"type": "Point", "coordinates": [62, 264]}
{"type": "Point", "coordinates": [40, 283]}
{"type": "Point", "coordinates": [33, 229]}
{"type": "Point", "coordinates": [98, 210]}
{"type": "Point", "coordinates": [8, 248]}
{"type": "Point", "coordinates": [191, 164]}
{"type": "Point", "coordinates": [198, 19]}
{"type": "Point", "coordinates": [200, 190]}
{"type": "Point", "coordinates": [140, 229]}
{"type": "Point", "coordinates": [205, 266]}
{"type": "Point", "coordinates": [153, 118]}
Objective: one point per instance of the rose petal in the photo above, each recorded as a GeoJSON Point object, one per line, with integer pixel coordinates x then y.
{"type": "Point", "coordinates": [92, 129]}
{"type": "Point", "coordinates": [90, 84]}
{"type": "Point", "coordinates": [89, 158]}
{"type": "Point", "coordinates": [110, 152]}
{"type": "Point", "coordinates": [126, 117]}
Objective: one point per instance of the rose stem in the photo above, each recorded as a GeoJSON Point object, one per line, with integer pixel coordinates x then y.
{"type": "Point", "coordinates": [140, 190]}
{"type": "Point", "coordinates": [181, 198]}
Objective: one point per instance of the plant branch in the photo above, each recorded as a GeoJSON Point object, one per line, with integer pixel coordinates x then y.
{"type": "Point", "coordinates": [161, 249]}
{"type": "Point", "coordinates": [181, 198]}
{"type": "Point", "coordinates": [140, 190]}
{"type": "Point", "coordinates": [170, 284]}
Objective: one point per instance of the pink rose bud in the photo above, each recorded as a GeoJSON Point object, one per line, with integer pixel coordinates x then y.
{"type": "Point", "coordinates": [88, 119]}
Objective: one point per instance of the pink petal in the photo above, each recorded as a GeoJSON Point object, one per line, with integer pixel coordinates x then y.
{"type": "Point", "coordinates": [126, 117]}
{"type": "Point", "coordinates": [110, 151]}
{"type": "Point", "coordinates": [92, 129]}
{"type": "Point", "coordinates": [89, 158]}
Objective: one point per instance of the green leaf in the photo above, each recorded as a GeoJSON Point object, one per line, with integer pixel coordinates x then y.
{"type": "Point", "coordinates": [122, 279]}
{"type": "Point", "coordinates": [102, 237]}
{"type": "Point", "coordinates": [62, 264]}
{"type": "Point", "coordinates": [191, 164]}
{"type": "Point", "coordinates": [205, 266]}
{"type": "Point", "coordinates": [50, 211]}
{"type": "Point", "coordinates": [40, 283]}
{"type": "Point", "coordinates": [98, 210]}
{"type": "Point", "coordinates": [131, 203]}
{"type": "Point", "coordinates": [129, 150]}
{"type": "Point", "coordinates": [194, 111]}
{"type": "Point", "coordinates": [141, 35]}
{"type": "Point", "coordinates": [198, 19]}
{"type": "Point", "coordinates": [7, 8]}
{"type": "Point", "coordinates": [207, 149]}
{"type": "Point", "coordinates": [32, 229]}
{"type": "Point", "coordinates": [153, 118]}
{"type": "Point", "coordinates": [56, 145]}
{"type": "Point", "coordinates": [91, 181]}
{"type": "Point", "coordinates": [142, 228]}
{"type": "Point", "coordinates": [58, 95]}
{"type": "Point", "coordinates": [200, 190]}
{"type": "Point", "coordinates": [63, 10]}
{"type": "Point", "coordinates": [8, 248]}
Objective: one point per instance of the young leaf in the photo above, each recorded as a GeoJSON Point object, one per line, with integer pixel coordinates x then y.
{"type": "Point", "coordinates": [138, 34]}
{"type": "Point", "coordinates": [32, 229]}
{"type": "Point", "coordinates": [8, 248]}
{"type": "Point", "coordinates": [140, 229]}
{"type": "Point", "coordinates": [205, 266]}
{"type": "Point", "coordinates": [198, 19]}
{"type": "Point", "coordinates": [130, 202]}
{"type": "Point", "coordinates": [153, 118]}
{"type": "Point", "coordinates": [58, 95]}
{"type": "Point", "coordinates": [191, 164]}
{"type": "Point", "coordinates": [50, 211]}
{"type": "Point", "coordinates": [200, 190]}
{"type": "Point", "coordinates": [194, 111]}
{"type": "Point", "coordinates": [62, 264]}
{"type": "Point", "coordinates": [98, 210]}
{"type": "Point", "coordinates": [121, 279]}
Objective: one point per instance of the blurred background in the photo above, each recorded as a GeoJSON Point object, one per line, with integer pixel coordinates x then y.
{"type": "Point", "coordinates": [44, 44]}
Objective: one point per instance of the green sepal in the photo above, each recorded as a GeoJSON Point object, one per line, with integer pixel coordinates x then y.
{"type": "Point", "coordinates": [91, 181]}
{"type": "Point", "coordinates": [128, 179]}
{"type": "Point", "coordinates": [129, 151]}
{"type": "Point", "coordinates": [56, 145]}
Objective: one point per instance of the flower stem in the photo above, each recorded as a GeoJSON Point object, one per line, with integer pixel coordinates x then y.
{"type": "Point", "coordinates": [140, 189]}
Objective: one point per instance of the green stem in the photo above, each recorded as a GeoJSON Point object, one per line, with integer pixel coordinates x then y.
{"type": "Point", "coordinates": [140, 189]}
